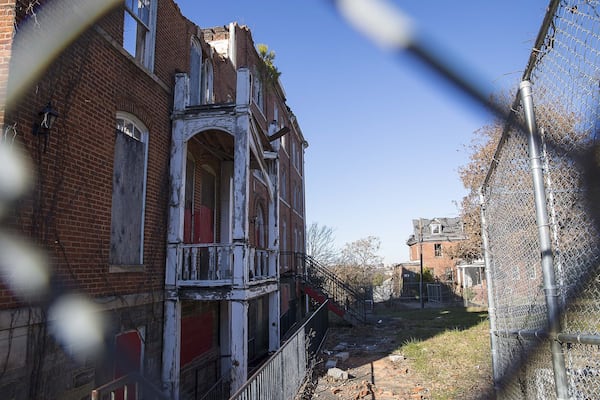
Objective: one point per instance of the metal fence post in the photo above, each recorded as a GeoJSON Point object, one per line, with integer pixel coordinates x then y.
{"type": "Point", "coordinates": [490, 290]}
{"type": "Point", "coordinates": [547, 258]}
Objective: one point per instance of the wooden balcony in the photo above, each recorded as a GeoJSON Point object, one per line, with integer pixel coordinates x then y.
{"type": "Point", "coordinates": [205, 264]}
{"type": "Point", "coordinates": [212, 265]}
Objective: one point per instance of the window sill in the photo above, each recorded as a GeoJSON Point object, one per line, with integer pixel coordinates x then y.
{"type": "Point", "coordinates": [124, 268]}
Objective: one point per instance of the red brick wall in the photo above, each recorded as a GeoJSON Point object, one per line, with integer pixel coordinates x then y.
{"type": "Point", "coordinates": [7, 16]}
{"type": "Point", "coordinates": [438, 265]}
{"type": "Point", "coordinates": [69, 210]}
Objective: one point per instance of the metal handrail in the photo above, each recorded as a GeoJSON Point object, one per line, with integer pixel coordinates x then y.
{"type": "Point", "coordinates": [121, 383]}
{"type": "Point", "coordinates": [271, 376]}
{"type": "Point", "coordinates": [219, 385]}
{"type": "Point", "coordinates": [343, 295]}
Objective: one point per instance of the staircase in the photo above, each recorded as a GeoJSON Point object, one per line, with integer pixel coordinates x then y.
{"type": "Point", "coordinates": [321, 284]}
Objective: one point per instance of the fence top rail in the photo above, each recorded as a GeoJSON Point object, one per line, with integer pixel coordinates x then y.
{"type": "Point", "coordinates": [238, 393]}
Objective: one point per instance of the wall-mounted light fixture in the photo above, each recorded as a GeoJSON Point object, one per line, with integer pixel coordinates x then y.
{"type": "Point", "coordinates": [47, 118]}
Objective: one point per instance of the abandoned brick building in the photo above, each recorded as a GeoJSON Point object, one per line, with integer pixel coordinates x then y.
{"type": "Point", "coordinates": [167, 191]}
{"type": "Point", "coordinates": [434, 239]}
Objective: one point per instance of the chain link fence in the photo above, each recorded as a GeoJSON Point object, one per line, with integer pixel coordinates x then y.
{"type": "Point", "coordinates": [540, 218]}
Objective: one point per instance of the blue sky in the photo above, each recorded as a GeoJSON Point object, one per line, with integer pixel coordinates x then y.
{"type": "Point", "coordinates": [386, 136]}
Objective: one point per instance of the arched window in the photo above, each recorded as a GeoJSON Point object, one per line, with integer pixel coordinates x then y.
{"type": "Point", "coordinates": [196, 74]}
{"type": "Point", "coordinates": [284, 179]}
{"type": "Point", "coordinates": [204, 221]}
{"type": "Point", "coordinates": [129, 191]}
{"type": "Point", "coordinates": [206, 84]}
{"type": "Point", "coordinates": [257, 91]}
{"type": "Point", "coordinates": [284, 235]}
{"type": "Point", "coordinates": [296, 239]}
{"type": "Point", "coordinates": [188, 214]}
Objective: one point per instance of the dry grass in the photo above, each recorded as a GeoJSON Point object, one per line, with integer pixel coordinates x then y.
{"type": "Point", "coordinates": [450, 350]}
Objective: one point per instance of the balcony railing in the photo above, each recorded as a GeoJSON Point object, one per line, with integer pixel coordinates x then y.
{"type": "Point", "coordinates": [205, 264]}
{"type": "Point", "coordinates": [211, 264]}
{"type": "Point", "coordinates": [259, 264]}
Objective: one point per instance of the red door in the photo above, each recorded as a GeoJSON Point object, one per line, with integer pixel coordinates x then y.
{"type": "Point", "coordinates": [128, 350]}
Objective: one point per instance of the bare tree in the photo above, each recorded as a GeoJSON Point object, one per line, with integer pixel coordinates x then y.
{"type": "Point", "coordinates": [472, 175]}
{"type": "Point", "coordinates": [320, 244]}
{"type": "Point", "coordinates": [482, 149]}
{"type": "Point", "coordinates": [362, 252]}
{"type": "Point", "coordinates": [358, 261]}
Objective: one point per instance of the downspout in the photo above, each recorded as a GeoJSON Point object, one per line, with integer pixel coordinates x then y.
{"type": "Point", "coordinates": [547, 258]}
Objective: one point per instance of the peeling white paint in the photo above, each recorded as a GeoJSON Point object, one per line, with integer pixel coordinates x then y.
{"type": "Point", "coordinates": [239, 343]}
{"type": "Point", "coordinates": [234, 212]}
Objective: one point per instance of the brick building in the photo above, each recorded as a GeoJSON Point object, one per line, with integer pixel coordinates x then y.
{"type": "Point", "coordinates": [434, 239]}
{"type": "Point", "coordinates": [164, 193]}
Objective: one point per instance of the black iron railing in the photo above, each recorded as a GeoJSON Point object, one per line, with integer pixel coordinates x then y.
{"type": "Point", "coordinates": [282, 375]}
{"type": "Point", "coordinates": [320, 278]}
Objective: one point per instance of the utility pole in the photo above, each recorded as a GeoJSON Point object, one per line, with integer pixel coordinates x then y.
{"type": "Point", "coordinates": [421, 262]}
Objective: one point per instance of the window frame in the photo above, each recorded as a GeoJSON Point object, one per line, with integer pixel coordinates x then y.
{"type": "Point", "coordinates": [144, 46]}
{"type": "Point", "coordinates": [258, 92]}
{"type": "Point", "coordinates": [196, 72]}
{"type": "Point", "coordinates": [437, 250]}
{"type": "Point", "coordinates": [283, 192]}
{"type": "Point", "coordinates": [207, 82]}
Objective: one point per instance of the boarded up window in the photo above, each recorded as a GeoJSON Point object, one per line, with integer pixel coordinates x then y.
{"type": "Point", "coordinates": [126, 239]}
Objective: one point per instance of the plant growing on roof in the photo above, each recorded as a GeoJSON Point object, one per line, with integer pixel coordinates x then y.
{"type": "Point", "coordinates": [268, 56]}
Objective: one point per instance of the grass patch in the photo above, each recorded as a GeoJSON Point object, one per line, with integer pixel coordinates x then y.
{"type": "Point", "coordinates": [449, 349]}
{"type": "Point", "coordinates": [425, 323]}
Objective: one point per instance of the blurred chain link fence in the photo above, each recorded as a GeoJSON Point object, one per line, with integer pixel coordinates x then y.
{"type": "Point", "coordinates": [543, 297]}
{"type": "Point", "coordinates": [542, 242]}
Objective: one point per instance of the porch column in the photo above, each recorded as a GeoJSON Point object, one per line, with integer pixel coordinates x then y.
{"type": "Point", "coordinates": [171, 347]}
{"type": "Point", "coordinates": [172, 308]}
{"type": "Point", "coordinates": [238, 335]}
{"type": "Point", "coordinates": [241, 178]}
{"type": "Point", "coordinates": [273, 218]}
{"type": "Point", "coordinates": [273, 245]}
{"type": "Point", "coordinates": [274, 312]}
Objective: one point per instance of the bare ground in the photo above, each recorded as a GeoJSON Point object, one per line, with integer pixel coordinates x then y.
{"type": "Point", "coordinates": [377, 370]}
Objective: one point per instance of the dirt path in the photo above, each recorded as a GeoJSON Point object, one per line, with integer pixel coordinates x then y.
{"type": "Point", "coordinates": [368, 365]}
{"type": "Point", "coordinates": [374, 372]}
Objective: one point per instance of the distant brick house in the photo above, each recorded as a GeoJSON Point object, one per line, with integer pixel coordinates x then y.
{"type": "Point", "coordinates": [165, 192]}
{"type": "Point", "coordinates": [434, 239]}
